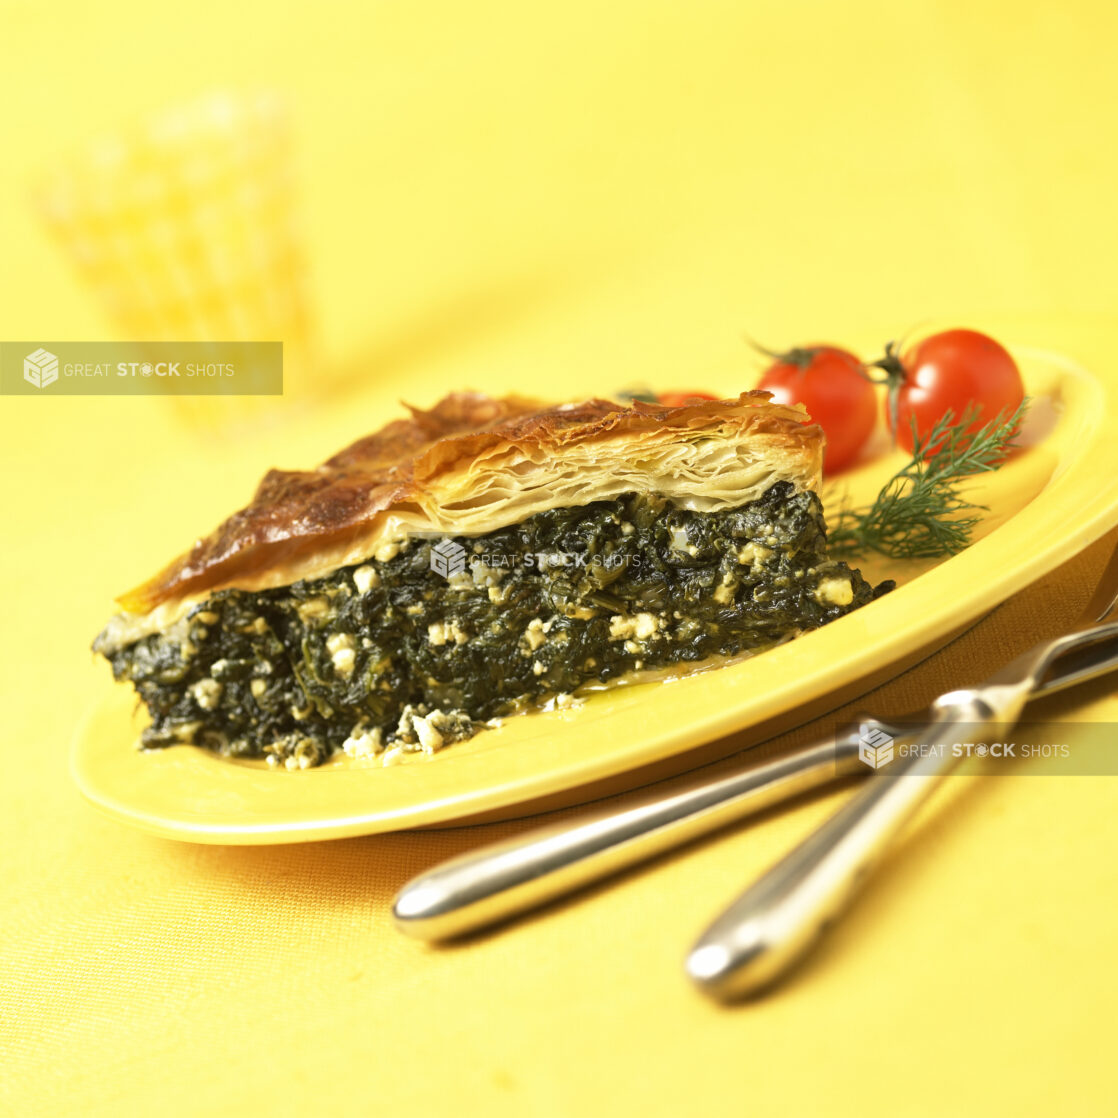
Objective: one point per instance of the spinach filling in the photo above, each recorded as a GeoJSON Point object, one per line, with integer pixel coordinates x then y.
{"type": "Point", "coordinates": [418, 650]}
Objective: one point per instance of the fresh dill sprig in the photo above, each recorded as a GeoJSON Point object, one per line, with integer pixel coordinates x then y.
{"type": "Point", "coordinates": [920, 513]}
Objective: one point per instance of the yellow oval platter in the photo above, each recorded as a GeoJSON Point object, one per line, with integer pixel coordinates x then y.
{"type": "Point", "coordinates": [1056, 496]}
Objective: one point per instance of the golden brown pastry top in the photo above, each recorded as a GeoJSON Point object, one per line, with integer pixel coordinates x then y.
{"type": "Point", "coordinates": [472, 464]}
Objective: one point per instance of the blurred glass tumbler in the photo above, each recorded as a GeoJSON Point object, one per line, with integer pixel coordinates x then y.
{"type": "Point", "coordinates": [185, 227]}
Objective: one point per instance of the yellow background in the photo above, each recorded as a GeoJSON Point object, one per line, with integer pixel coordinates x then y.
{"type": "Point", "coordinates": [578, 196]}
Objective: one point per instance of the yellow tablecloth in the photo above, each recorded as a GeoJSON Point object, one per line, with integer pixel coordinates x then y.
{"type": "Point", "coordinates": [574, 197]}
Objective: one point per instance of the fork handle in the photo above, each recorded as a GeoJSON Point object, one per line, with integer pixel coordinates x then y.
{"type": "Point", "coordinates": [775, 922]}
{"type": "Point", "coordinates": [501, 880]}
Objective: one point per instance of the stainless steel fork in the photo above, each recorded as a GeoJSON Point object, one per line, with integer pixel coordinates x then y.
{"type": "Point", "coordinates": [777, 920]}
{"type": "Point", "coordinates": [502, 880]}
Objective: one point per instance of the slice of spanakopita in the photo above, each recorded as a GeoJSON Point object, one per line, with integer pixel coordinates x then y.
{"type": "Point", "coordinates": [477, 559]}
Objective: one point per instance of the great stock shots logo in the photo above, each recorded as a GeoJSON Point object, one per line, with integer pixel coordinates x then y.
{"type": "Point", "coordinates": [875, 747]}
{"type": "Point", "coordinates": [40, 368]}
{"type": "Point", "coordinates": [448, 558]}
{"type": "Point", "coordinates": [28, 367]}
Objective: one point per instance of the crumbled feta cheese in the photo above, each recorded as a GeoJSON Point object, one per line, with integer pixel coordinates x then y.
{"type": "Point", "coordinates": [535, 634]}
{"type": "Point", "coordinates": [538, 668]}
{"type": "Point", "coordinates": [580, 613]}
{"type": "Point", "coordinates": [724, 594]}
{"type": "Point", "coordinates": [481, 574]}
{"type": "Point", "coordinates": [753, 555]}
{"type": "Point", "coordinates": [365, 578]}
{"type": "Point", "coordinates": [443, 632]}
{"type": "Point", "coordinates": [678, 539]}
{"type": "Point", "coordinates": [207, 693]}
{"type": "Point", "coordinates": [834, 592]}
{"type": "Point", "coordinates": [313, 609]}
{"type": "Point", "coordinates": [258, 687]}
{"type": "Point", "coordinates": [363, 742]}
{"type": "Point", "coordinates": [640, 626]}
{"type": "Point", "coordinates": [303, 757]}
{"type": "Point", "coordinates": [419, 732]}
{"type": "Point", "coordinates": [343, 655]}
{"type": "Point", "coordinates": [429, 737]}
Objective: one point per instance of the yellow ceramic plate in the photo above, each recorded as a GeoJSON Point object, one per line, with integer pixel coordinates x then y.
{"type": "Point", "coordinates": [1049, 501]}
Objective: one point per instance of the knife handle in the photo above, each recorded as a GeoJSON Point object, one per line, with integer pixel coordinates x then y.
{"type": "Point", "coordinates": [499, 881]}
{"type": "Point", "coordinates": [779, 918]}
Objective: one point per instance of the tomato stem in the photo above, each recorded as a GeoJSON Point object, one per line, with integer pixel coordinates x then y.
{"type": "Point", "coordinates": [890, 364]}
{"type": "Point", "coordinates": [799, 356]}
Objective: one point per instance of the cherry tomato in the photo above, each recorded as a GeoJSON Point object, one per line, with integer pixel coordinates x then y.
{"type": "Point", "coordinates": [952, 370]}
{"type": "Point", "coordinates": [678, 399]}
{"type": "Point", "coordinates": [829, 382]}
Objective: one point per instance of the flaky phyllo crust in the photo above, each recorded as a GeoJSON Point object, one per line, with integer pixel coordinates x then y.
{"type": "Point", "coordinates": [473, 464]}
